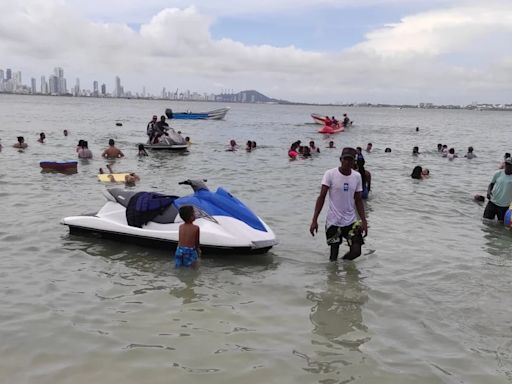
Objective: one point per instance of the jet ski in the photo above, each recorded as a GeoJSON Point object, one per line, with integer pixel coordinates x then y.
{"type": "Point", "coordinates": [170, 141]}
{"type": "Point", "coordinates": [226, 224]}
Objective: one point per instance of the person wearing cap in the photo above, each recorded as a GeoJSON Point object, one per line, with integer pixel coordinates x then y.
{"type": "Point", "coordinates": [151, 126]}
{"type": "Point", "coordinates": [499, 193]}
{"type": "Point", "coordinates": [344, 187]}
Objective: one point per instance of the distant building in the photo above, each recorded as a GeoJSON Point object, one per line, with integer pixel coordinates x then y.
{"type": "Point", "coordinates": [103, 90]}
{"type": "Point", "coordinates": [8, 74]}
{"type": "Point", "coordinates": [33, 87]}
{"type": "Point", "coordinates": [44, 86]}
{"type": "Point", "coordinates": [95, 88]}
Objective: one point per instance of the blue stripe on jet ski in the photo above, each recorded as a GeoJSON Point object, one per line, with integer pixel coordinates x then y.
{"type": "Point", "coordinates": [221, 203]}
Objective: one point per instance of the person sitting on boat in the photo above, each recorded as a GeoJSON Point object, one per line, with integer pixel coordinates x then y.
{"type": "Point", "coordinates": [335, 122]}
{"type": "Point", "coordinates": [160, 129]}
{"type": "Point", "coordinates": [327, 121]}
{"type": "Point", "coordinates": [346, 120]}
{"type": "Point", "coordinates": [151, 125]}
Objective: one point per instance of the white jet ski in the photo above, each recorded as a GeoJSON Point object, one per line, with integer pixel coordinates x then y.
{"type": "Point", "coordinates": [170, 141]}
{"type": "Point", "coordinates": [226, 224]}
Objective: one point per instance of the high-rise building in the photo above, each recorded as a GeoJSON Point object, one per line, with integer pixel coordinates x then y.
{"type": "Point", "coordinates": [118, 90]}
{"type": "Point", "coordinates": [76, 90]}
{"type": "Point", "coordinates": [53, 85]}
{"type": "Point", "coordinates": [8, 74]}
{"type": "Point", "coordinates": [33, 86]}
{"type": "Point", "coordinates": [44, 86]}
{"type": "Point", "coordinates": [58, 71]}
{"type": "Point", "coordinates": [95, 88]}
{"type": "Point", "coordinates": [1, 75]}
{"type": "Point", "coordinates": [103, 90]}
{"type": "Point", "coordinates": [16, 80]}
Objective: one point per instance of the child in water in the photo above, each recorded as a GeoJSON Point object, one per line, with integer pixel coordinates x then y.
{"type": "Point", "coordinates": [187, 252]}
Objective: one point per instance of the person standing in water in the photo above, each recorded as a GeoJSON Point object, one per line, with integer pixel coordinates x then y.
{"type": "Point", "coordinates": [499, 193]}
{"type": "Point", "coordinates": [344, 187]}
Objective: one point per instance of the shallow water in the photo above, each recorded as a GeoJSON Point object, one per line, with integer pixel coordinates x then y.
{"type": "Point", "coordinates": [427, 302]}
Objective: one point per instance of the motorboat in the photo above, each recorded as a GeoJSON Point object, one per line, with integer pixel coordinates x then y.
{"type": "Point", "coordinates": [226, 224]}
{"type": "Point", "coordinates": [330, 129]}
{"type": "Point", "coordinates": [216, 114]}
{"type": "Point", "coordinates": [170, 141]}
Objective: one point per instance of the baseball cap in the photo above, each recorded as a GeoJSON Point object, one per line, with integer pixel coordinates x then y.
{"type": "Point", "coordinates": [348, 152]}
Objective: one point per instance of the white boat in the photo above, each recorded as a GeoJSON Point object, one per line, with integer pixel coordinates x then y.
{"type": "Point", "coordinates": [226, 224]}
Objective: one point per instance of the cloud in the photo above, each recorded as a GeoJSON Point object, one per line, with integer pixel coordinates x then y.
{"type": "Point", "coordinates": [430, 54]}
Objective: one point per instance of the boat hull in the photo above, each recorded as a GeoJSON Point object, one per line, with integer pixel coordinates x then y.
{"type": "Point", "coordinates": [217, 114]}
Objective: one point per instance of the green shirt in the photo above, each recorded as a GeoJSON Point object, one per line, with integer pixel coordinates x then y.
{"type": "Point", "coordinates": [501, 194]}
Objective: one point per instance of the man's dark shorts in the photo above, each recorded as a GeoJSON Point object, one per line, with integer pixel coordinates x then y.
{"type": "Point", "coordinates": [492, 210]}
{"type": "Point", "coordinates": [336, 234]}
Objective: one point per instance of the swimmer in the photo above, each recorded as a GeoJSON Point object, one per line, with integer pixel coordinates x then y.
{"type": "Point", "coordinates": [131, 179]}
{"type": "Point", "coordinates": [313, 148]}
{"type": "Point", "coordinates": [444, 151]}
{"type": "Point", "coordinates": [292, 152]}
{"type": "Point", "coordinates": [417, 173]}
{"type": "Point", "coordinates": [42, 136]}
{"type": "Point", "coordinates": [306, 152]}
{"type": "Point", "coordinates": [21, 143]}
{"type": "Point", "coordinates": [232, 146]}
{"type": "Point", "coordinates": [65, 132]}
{"type": "Point", "coordinates": [187, 140]}
{"type": "Point", "coordinates": [248, 146]}
{"type": "Point", "coordinates": [415, 151]}
{"type": "Point", "coordinates": [369, 147]}
{"type": "Point", "coordinates": [331, 144]}
{"type": "Point", "coordinates": [142, 150]}
{"type": "Point", "coordinates": [451, 154]}
{"type": "Point", "coordinates": [439, 148]}
{"type": "Point", "coordinates": [425, 172]}
{"type": "Point", "coordinates": [470, 154]}
{"type": "Point", "coordinates": [387, 150]}
{"type": "Point", "coordinates": [479, 198]}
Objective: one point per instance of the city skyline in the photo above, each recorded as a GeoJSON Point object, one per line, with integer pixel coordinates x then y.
{"type": "Point", "coordinates": [56, 85]}
{"type": "Point", "coordinates": [318, 51]}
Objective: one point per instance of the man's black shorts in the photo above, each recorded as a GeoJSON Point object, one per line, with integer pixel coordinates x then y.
{"type": "Point", "coordinates": [336, 234]}
{"type": "Point", "coordinates": [492, 210]}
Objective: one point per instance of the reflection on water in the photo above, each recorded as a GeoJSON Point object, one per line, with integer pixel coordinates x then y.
{"type": "Point", "coordinates": [336, 314]}
{"type": "Point", "coordinates": [337, 320]}
{"type": "Point", "coordinates": [498, 240]}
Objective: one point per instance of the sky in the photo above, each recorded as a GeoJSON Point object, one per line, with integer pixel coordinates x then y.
{"type": "Point", "coordinates": [318, 51]}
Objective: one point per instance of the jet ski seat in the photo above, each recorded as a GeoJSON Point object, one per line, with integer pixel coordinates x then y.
{"type": "Point", "coordinates": [123, 197]}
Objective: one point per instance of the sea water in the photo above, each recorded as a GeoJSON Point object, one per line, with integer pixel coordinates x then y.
{"type": "Point", "coordinates": [427, 302]}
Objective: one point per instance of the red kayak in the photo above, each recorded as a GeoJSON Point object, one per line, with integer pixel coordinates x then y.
{"type": "Point", "coordinates": [328, 130]}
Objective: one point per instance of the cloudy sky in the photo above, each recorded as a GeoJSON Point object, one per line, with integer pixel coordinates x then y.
{"type": "Point", "coordinates": [390, 51]}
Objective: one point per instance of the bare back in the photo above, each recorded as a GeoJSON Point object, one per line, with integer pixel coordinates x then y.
{"type": "Point", "coordinates": [189, 235]}
{"type": "Point", "coordinates": [112, 153]}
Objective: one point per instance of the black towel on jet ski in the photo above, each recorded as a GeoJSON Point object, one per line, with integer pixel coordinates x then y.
{"type": "Point", "coordinates": [144, 206]}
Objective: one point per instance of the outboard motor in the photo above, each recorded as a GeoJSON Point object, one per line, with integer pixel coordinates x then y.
{"type": "Point", "coordinates": [168, 113]}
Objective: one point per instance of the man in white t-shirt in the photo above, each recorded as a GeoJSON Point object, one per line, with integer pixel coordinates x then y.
{"type": "Point", "coordinates": [344, 187]}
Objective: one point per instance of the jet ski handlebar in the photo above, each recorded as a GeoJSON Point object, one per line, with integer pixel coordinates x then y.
{"type": "Point", "coordinates": [195, 184]}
